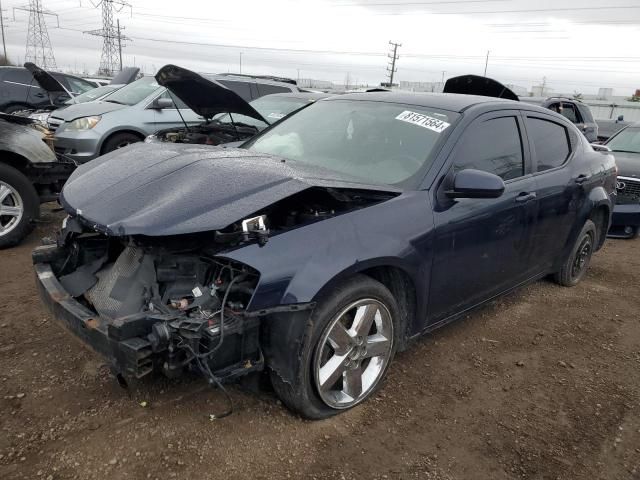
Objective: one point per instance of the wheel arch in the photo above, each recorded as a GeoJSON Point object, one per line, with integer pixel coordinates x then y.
{"type": "Point", "coordinates": [601, 217]}
{"type": "Point", "coordinates": [16, 161]}
{"type": "Point", "coordinates": [109, 136]}
{"type": "Point", "coordinates": [394, 277]}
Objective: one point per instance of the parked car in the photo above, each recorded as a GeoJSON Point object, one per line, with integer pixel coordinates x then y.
{"type": "Point", "coordinates": [19, 90]}
{"type": "Point", "coordinates": [124, 77]}
{"type": "Point", "coordinates": [325, 243]}
{"type": "Point", "coordinates": [30, 174]}
{"type": "Point", "coordinates": [626, 214]}
{"type": "Point", "coordinates": [574, 110]}
{"type": "Point", "coordinates": [205, 98]}
{"type": "Point", "coordinates": [607, 128]}
{"type": "Point", "coordinates": [84, 132]}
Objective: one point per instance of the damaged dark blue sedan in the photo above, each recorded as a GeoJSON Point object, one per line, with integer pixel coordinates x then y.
{"type": "Point", "coordinates": [322, 246]}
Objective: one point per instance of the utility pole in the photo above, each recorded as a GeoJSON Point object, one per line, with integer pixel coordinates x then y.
{"type": "Point", "coordinates": [119, 44]}
{"type": "Point", "coordinates": [39, 49]}
{"type": "Point", "coordinates": [486, 64]}
{"type": "Point", "coordinates": [4, 44]}
{"type": "Point", "coordinates": [393, 56]}
{"type": "Point", "coordinates": [111, 57]}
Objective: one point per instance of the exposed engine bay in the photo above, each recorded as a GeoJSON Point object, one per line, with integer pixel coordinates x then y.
{"type": "Point", "coordinates": [171, 303]}
{"type": "Point", "coordinates": [211, 133]}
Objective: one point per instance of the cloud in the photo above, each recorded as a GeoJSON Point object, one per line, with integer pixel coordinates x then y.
{"type": "Point", "coordinates": [570, 44]}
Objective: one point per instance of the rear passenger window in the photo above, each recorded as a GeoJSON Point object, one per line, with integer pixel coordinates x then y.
{"type": "Point", "coordinates": [241, 88]}
{"type": "Point", "coordinates": [550, 141]}
{"type": "Point", "coordinates": [492, 146]}
{"type": "Point", "coordinates": [569, 112]}
{"type": "Point", "coordinates": [20, 75]}
{"type": "Point", "coordinates": [265, 89]}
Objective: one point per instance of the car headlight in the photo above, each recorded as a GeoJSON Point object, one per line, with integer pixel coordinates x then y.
{"type": "Point", "coordinates": [84, 123]}
{"type": "Point", "coordinates": [41, 117]}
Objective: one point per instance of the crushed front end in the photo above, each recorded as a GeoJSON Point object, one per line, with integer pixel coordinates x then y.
{"type": "Point", "coordinates": [152, 304]}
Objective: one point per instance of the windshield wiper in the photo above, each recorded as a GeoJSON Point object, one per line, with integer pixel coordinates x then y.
{"type": "Point", "coordinates": [625, 151]}
{"type": "Point", "coordinates": [115, 101]}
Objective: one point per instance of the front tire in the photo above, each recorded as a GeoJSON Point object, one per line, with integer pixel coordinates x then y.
{"type": "Point", "coordinates": [350, 342]}
{"type": "Point", "coordinates": [575, 266]}
{"type": "Point", "coordinates": [19, 206]}
{"type": "Point", "coordinates": [120, 140]}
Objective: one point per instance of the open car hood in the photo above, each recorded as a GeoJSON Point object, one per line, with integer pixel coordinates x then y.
{"type": "Point", "coordinates": [46, 80]}
{"type": "Point", "coordinates": [179, 188]}
{"type": "Point", "coordinates": [477, 85]}
{"type": "Point", "coordinates": [205, 97]}
{"type": "Point", "coordinates": [125, 76]}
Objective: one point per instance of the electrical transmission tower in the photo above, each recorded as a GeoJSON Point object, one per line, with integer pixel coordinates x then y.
{"type": "Point", "coordinates": [39, 49]}
{"type": "Point", "coordinates": [391, 69]}
{"type": "Point", "coordinates": [111, 59]}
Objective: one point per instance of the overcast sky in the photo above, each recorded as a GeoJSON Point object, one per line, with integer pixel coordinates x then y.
{"type": "Point", "coordinates": [578, 45]}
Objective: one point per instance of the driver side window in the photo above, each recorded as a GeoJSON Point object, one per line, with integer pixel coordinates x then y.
{"type": "Point", "coordinates": [493, 146]}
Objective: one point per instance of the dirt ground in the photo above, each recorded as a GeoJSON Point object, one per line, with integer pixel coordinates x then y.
{"type": "Point", "coordinates": [542, 384]}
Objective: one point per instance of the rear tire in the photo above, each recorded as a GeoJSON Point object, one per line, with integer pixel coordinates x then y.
{"type": "Point", "coordinates": [120, 140]}
{"type": "Point", "coordinates": [20, 204]}
{"type": "Point", "coordinates": [575, 266]}
{"type": "Point", "coordinates": [359, 370]}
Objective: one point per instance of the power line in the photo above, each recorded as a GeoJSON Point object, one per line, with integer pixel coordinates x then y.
{"type": "Point", "coordinates": [111, 58]}
{"type": "Point", "coordinates": [39, 50]}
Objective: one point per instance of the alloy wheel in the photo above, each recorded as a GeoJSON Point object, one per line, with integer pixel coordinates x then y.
{"type": "Point", "coordinates": [11, 208]}
{"type": "Point", "coordinates": [353, 353]}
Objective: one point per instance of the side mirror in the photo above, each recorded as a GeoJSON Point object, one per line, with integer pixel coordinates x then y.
{"type": "Point", "coordinates": [162, 103]}
{"type": "Point", "coordinates": [600, 148]}
{"type": "Point", "coordinates": [620, 118]}
{"type": "Point", "coordinates": [472, 183]}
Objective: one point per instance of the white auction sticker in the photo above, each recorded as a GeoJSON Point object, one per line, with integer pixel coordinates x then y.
{"type": "Point", "coordinates": [276, 115]}
{"type": "Point", "coordinates": [422, 120]}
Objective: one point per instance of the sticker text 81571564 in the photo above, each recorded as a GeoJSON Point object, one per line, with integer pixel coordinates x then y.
{"type": "Point", "coordinates": [422, 120]}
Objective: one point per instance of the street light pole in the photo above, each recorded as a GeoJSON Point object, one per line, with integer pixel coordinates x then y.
{"type": "Point", "coordinates": [240, 62]}
{"type": "Point", "coordinates": [4, 44]}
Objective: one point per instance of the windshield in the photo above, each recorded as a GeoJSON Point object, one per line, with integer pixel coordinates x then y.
{"type": "Point", "coordinates": [628, 140]}
{"type": "Point", "coordinates": [381, 143]}
{"type": "Point", "coordinates": [92, 95]}
{"type": "Point", "coordinates": [270, 107]}
{"type": "Point", "coordinates": [134, 92]}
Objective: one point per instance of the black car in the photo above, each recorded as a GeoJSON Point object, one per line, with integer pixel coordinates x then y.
{"type": "Point", "coordinates": [30, 174]}
{"type": "Point", "coordinates": [326, 243]}
{"type": "Point", "coordinates": [626, 214]}
{"type": "Point", "coordinates": [20, 90]}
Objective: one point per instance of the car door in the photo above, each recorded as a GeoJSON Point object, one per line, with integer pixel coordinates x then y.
{"type": "Point", "coordinates": [559, 190]}
{"type": "Point", "coordinates": [24, 89]}
{"type": "Point", "coordinates": [483, 247]}
{"type": "Point", "coordinates": [173, 117]}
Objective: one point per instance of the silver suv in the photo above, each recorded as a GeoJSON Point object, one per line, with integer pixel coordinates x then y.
{"type": "Point", "coordinates": [86, 131]}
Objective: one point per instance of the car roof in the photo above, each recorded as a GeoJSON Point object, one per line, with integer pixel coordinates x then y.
{"type": "Point", "coordinates": [453, 102]}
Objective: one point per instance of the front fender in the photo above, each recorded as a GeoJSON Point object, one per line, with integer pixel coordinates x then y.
{"type": "Point", "coordinates": [295, 266]}
{"type": "Point", "coordinates": [25, 141]}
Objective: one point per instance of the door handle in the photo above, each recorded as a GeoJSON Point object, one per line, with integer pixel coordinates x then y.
{"type": "Point", "coordinates": [526, 196]}
{"type": "Point", "coordinates": [581, 178]}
